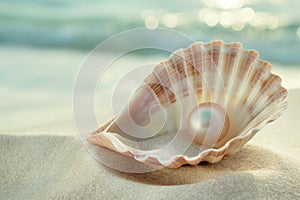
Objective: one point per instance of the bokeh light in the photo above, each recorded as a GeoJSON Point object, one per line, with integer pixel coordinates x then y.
{"type": "Point", "coordinates": [209, 16]}
{"type": "Point", "coordinates": [245, 14]}
{"type": "Point", "coordinates": [273, 22]}
{"type": "Point", "coordinates": [224, 4]}
{"type": "Point", "coordinates": [298, 32]}
{"type": "Point", "coordinates": [228, 4]}
{"type": "Point", "coordinates": [238, 26]}
{"type": "Point", "coordinates": [226, 19]}
{"type": "Point", "coordinates": [203, 13]}
{"type": "Point", "coordinates": [170, 20]}
{"type": "Point", "coordinates": [151, 22]}
{"type": "Point", "coordinates": [231, 13]}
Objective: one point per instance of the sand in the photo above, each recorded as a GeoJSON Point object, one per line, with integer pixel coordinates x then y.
{"type": "Point", "coordinates": [49, 162]}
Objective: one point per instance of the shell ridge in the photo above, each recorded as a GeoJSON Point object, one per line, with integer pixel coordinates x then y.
{"type": "Point", "coordinates": [259, 123]}
{"type": "Point", "coordinates": [244, 65]}
{"type": "Point", "coordinates": [219, 90]}
{"type": "Point", "coordinates": [244, 86]}
{"type": "Point", "coordinates": [229, 71]}
{"type": "Point", "coordinates": [204, 74]}
{"type": "Point", "coordinates": [232, 79]}
{"type": "Point", "coordinates": [264, 91]}
{"type": "Point", "coordinates": [258, 74]}
{"type": "Point", "coordinates": [276, 96]}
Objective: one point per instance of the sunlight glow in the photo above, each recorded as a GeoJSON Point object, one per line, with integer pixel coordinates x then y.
{"type": "Point", "coordinates": [239, 18]}
{"type": "Point", "coordinates": [265, 20]}
{"type": "Point", "coordinates": [170, 20]}
{"type": "Point", "coordinates": [298, 32]}
{"type": "Point", "coordinates": [209, 16]}
{"type": "Point", "coordinates": [238, 26]}
{"type": "Point", "coordinates": [203, 13]}
{"type": "Point", "coordinates": [256, 20]}
{"type": "Point", "coordinates": [151, 22]}
{"type": "Point", "coordinates": [224, 4]}
{"type": "Point", "coordinates": [228, 4]}
{"type": "Point", "coordinates": [273, 22]}
{"type": "Point", "coordinates": [246, 14]}
{"type": "Point", "coordinates": [226, 19]}
{"type": "Point", "coordinates": [211, 19]}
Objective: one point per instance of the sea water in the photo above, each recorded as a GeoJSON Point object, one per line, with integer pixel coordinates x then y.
{"type": "Point", "coordinates": [44, 43]}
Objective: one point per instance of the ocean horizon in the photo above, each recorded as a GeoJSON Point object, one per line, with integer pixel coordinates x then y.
{"type": "Point", "coordinates": [43, 45]}
{"type": "Point", "coordinates": [271, 27]}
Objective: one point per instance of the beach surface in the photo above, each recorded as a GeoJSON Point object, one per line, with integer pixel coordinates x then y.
{"type": "Point", "coordinates": [50, 162]}
{"type": "Point", "coordinates": [45, 46]}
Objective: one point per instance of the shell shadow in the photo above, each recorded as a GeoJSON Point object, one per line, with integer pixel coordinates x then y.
{"type": "Point", "coordinates": [250, 158]}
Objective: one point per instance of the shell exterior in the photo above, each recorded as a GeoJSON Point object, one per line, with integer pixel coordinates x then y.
{"type": "Point", "coordinates": [217, 72]}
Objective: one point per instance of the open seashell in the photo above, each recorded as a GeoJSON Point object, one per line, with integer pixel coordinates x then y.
{"type": "Point", "coordinates": [202, 103]}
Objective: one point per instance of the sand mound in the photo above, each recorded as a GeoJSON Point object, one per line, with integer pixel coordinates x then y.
{"type": "Point", "coordinates": [39, 164]}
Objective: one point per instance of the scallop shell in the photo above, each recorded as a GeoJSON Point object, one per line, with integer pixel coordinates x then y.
{"type": "Point", "coordinates": [221, 75]}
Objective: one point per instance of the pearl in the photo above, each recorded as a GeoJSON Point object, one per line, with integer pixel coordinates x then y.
{"type": "Point", "coordinates": [208, 123]}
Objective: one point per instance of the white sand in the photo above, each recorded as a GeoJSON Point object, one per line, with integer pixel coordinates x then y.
{"type": "Point", "coordinates": [49, 162]}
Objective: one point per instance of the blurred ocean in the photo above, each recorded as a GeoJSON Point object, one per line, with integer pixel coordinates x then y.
{"type": "Point", "coordinates": [270, 26]}
{"type": "Point", "coordinates": [43, 44]}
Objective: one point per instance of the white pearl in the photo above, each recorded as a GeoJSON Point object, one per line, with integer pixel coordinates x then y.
{"type": "Point", "coordinates": [208, 123]}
